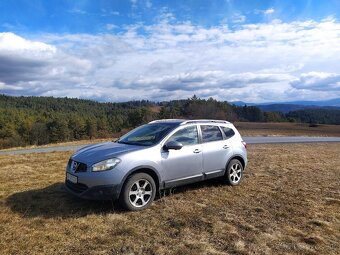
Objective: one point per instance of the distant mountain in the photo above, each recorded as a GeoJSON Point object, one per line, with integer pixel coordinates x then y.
{"type": "Point", "coordinates": [333, 102]}
{"type": "Point", "coordinates": [241, 103]}
{"type": "Point", "coordinates": [285, 107]}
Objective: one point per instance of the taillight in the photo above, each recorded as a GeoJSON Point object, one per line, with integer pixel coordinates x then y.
{"type": "Point", "coordinates": [244, 144]}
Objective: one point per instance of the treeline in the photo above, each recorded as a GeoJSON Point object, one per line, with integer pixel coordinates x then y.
{"type": "Point", "coordinates": [196, 108]}
{"type": "Point", "coordinates": [42, 120]}
{"type": "Point", "coordinates": [316, 116]}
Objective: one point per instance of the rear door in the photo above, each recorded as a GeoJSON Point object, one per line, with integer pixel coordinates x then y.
{"type": "Point", "coordinates": [216, 150]}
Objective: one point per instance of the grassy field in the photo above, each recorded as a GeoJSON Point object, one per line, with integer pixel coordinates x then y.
{"type": "Point", "coordinates": [79, 142]}
{"type": "Point", "coordinates": [286, 129]}
{"type": "Point", "coordinates": [288, 203]}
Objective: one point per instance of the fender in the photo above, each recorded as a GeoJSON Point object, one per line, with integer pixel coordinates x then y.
{"type": "Point", "coordinates": [136, 169]}
{"type": "Point", "coordinates": [243, 162]}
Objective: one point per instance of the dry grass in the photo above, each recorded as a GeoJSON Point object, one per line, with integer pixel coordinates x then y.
{"type": "Point", "coordinates": [79, 142]}
{"type": "Point", "coordinates": [286, 129]}
{"type": "Point", "coordinates": [288, 203]}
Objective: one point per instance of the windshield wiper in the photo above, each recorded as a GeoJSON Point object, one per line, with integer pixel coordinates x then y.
{"type": "Point", "coordinates": [138, 144]}
{"type": "Point", "coordinates": [125, 142]}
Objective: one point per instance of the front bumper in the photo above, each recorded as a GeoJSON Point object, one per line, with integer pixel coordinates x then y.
{"type": "Point", "coordinates": [101, 192]}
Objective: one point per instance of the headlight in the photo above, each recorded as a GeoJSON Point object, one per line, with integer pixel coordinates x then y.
{"type": "Point", "coordinates": [105, 165]}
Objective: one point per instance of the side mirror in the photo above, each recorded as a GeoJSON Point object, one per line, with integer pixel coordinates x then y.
{"type": "Point", "coordinates": [172, 145]}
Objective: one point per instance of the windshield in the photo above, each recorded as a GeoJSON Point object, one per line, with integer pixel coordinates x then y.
{"type": "Point", "coordinates": [147, 135]}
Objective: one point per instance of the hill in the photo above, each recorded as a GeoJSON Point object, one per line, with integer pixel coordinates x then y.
{"type": "Point", "coordinates": [323, 116]}
{"type": "Point", "coordinates": [42, 120]}
{"type": "Point", "coordinates": [332, 102]}
{"type": "Point", "coordinates": [335, 102]}
{"type": "Point", "coordinates": [285, 107]}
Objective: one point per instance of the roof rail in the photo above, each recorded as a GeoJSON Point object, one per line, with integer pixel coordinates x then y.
{"type": "Point", "coordinates": [204, 121]}
{"type": "Point", "coordinates": [166, 120]}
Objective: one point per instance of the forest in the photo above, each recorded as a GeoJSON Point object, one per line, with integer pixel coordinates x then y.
{"type": "Point", "coordinates": [43, 120]}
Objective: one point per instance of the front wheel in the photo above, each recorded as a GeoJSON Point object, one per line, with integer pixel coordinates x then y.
{"type": "Point", "coordinates": [138, 192]}
{"type": "Point", "coordinates": [234, 172]}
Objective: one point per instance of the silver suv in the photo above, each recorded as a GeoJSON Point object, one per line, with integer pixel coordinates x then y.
{"type": "Point", "coordinates": [159, 155]}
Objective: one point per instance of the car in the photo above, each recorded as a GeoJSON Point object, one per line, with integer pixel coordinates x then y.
{"type": "Point", "coordinates": [159, 155]}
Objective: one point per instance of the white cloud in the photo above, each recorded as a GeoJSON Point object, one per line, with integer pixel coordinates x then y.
{"type": "Point", "coordinates": [105, 13]}
{"type": "Point", "coordinates": [166, 60]}
{"type": "Point", "coordinates": [318, 81]}
{"type": "Point", "coordinates": [269, 11]}
{"type": "Point", "coordinates": [238, 18]}
{"type": "Point", "coordinates": [3, 86]}
{"type": "Point", "coordinates": [111, 26]}
{"type": "Point", "coordinates": [77, 11]}
{"type": "Point", "coordinates": [12, 42]}
{"type": "Point", "coordinates": [36, 67]}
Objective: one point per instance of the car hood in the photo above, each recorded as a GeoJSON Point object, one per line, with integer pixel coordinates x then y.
{"type": "Point", "coordinates": [97, 152]}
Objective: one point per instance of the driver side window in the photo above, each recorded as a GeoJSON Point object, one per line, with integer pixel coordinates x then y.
{"type": "Point", "coordinates": [186, 136]}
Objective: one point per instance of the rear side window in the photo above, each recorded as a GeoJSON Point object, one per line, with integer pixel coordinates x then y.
{"type": "Point", "coordinates": [186, 136]}
{"type": "Point", "coordinates": [211, 133]}
{"type": "Point", "coordinates": [229, 132]}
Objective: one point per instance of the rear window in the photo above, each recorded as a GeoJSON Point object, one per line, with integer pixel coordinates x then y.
{"type": "Point", "coordinates": [229, 132]}
{"type": "Point", "coordinates": [211, 133]}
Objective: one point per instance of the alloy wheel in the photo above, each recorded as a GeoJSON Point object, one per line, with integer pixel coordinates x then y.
{"type": "Point", "coordinates": [235, 173]}
{"type": "Point", "coordinates": [140, 193]}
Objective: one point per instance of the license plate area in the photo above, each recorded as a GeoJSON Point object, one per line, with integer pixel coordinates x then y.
{"type": "Point", "coordinates": [72, 178]}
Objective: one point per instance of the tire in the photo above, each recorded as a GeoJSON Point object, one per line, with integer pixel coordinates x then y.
{"type": "Point", "coordinates": [234, 172]}
{"type": "Point", "coordinates": [138, 192]}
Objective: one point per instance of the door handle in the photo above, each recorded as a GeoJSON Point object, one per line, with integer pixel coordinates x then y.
{"type": "Point", "coordinates": [225, 147]}
{"type": "Point", "coordinates": [197, 151]}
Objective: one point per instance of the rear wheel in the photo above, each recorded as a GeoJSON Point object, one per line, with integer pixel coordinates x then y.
{"type": "Point", "coordinates": [234, 172]}
{"type": "Point", "coordinates": [138, 192]}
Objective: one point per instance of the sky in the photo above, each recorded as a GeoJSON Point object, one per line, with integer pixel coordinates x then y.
{"type": "Point", "coordinates": [113, 50]}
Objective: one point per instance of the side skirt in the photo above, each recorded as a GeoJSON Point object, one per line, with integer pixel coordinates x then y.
{"type": "Point", "coordinates": [192, 179]}
{"type": "Point", "coordinates": [214, 174]}
{"type": "Point", "coordinates": [183, 181]}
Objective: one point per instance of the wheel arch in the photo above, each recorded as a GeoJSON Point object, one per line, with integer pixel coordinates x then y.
{"type": "Point", "coordinates": [143, 169]}
{"type": "Point", "coordinates": [238, 157]}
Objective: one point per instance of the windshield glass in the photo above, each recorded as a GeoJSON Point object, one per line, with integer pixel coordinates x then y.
{"type": "Point", "coordinates": [147, 135]}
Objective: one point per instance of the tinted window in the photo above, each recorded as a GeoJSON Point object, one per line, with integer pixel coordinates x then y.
{"type": "Point", "coordinates": [211, 133]}
{"type": "Point", "coordinates": [146, 135]}
{"type": "Point", "coordinates": [186, 136]}
{"type": "Point", "coordinates": [228, 132]}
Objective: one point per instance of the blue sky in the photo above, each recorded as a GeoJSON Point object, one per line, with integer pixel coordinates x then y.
{"type": "Point", "coordinates": [89, 16]}
{"type": "Point", "coordinates": [256, 51]}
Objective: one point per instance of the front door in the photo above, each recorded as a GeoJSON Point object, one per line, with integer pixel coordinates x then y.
{"type": "Point", "coordinates": [184, 165]}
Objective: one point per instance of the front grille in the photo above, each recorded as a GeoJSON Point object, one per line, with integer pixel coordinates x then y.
{"type": "Point", "coordinates": [77, 167]}
{"type": "Point", "coordinates": [76, 187]}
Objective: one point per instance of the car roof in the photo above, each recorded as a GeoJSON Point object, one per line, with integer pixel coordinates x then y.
{"type": "Point", "coordinates": [184, 121]}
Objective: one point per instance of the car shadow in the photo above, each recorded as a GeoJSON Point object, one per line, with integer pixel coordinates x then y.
{"type": "Point", "coordinates": [54, 201]}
